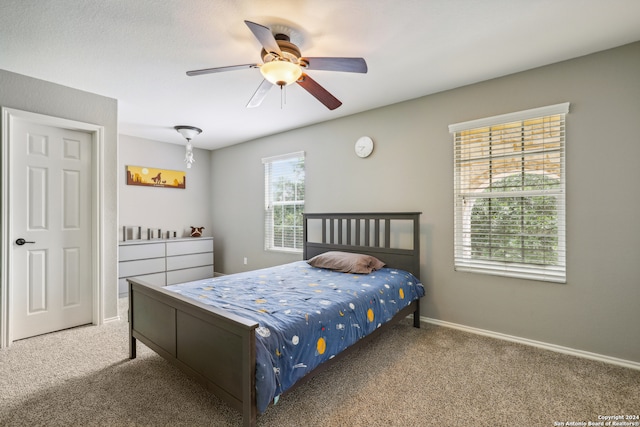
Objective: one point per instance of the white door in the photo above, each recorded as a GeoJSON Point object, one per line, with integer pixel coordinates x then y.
{"type": "Point", "coordinates": [50, 227]}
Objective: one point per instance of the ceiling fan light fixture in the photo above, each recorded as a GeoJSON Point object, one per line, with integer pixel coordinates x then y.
{"type": "Point", "coordinates": [281, 73]}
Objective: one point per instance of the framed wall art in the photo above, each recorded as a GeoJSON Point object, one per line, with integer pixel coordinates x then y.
{"type": "Point", "coordinates": [153, 177]}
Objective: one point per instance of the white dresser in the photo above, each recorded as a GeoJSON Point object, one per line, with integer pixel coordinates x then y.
{"type": "Point", "coordinates": [164, 262]}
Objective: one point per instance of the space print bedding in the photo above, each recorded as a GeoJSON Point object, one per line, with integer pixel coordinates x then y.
{"type": "Point", "coordinates": [306, 315]}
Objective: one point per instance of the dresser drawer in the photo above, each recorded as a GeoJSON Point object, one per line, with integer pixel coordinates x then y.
{"type": "Point", "coordinates": [188, 275]}
{"type": "Point", "coordinates": [189, 247]}
{"type": "Point", "coordinates": [140, 267]}
{"type": "Point", "coordinates": [131, 252]}
{"type": "Point", "coordinates": [188, 261]}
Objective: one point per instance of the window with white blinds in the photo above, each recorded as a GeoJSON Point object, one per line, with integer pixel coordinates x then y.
{"type": "Point", "coordinates": [284, 202]}
{"type": "Point", "coordinates": [510, 194]}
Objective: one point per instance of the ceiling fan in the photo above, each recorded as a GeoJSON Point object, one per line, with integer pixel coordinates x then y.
{"type": "Point", "coordinates": [283, 65]}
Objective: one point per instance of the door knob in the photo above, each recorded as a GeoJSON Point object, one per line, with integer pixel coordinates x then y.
{"type": "Point", "coordinates": [21, 241]}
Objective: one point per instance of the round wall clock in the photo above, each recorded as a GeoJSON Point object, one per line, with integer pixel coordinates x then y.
{"type": "Point", "coordinates": [364, 146]}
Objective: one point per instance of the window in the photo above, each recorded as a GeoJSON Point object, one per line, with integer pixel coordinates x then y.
{"type": "Point", "coordinates": [510, 194]}
{"type": "Point", "coordinates": [284, 202]}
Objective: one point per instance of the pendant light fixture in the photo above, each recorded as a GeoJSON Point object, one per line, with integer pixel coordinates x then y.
{"type": "Point", "coordinates": [188, 132]}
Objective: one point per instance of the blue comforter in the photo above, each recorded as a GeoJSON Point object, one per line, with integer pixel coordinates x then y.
{"type": "Point", "coordinates": [306, 315]}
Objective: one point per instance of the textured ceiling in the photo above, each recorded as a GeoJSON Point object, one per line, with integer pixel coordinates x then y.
{"type": "Point", "coordinates": [138, 51]}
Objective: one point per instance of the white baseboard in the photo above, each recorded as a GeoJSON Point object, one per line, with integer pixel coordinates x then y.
{"type": "Point", "coordinates": [546, 346]}
{"type": "Point", "coordinates": [111, 319]}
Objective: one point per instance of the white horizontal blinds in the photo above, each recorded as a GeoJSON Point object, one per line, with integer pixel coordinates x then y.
{"type": "Point", "coordinates": [510, 195]}
{"type": "Point", "coordinates": [284, 201]}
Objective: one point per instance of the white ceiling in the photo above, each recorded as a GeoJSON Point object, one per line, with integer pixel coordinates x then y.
{"type": "Point", "coordinates": [138, 51]}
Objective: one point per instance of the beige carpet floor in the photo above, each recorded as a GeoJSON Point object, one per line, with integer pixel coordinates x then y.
{"type": "Point", "coordinates": [431, 376]}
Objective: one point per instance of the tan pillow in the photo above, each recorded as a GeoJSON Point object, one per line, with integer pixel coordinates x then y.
{"type": "Point", "coordinates": [346, 262]}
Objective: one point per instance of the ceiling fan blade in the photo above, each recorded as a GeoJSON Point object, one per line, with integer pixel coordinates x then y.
{"type": "Point", "coordinates": [220, 69]}
{"type": "Point", "coordinates": [349, 65]}
{"type": "Point", "coordinates": [265, 37]}
{"type": "Point", "coordinates": [321, 94]}
{"type": "Point", "coordinates": [259, 94]}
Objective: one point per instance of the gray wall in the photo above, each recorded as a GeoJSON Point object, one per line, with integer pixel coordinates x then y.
{"type": "Point", "coordinates": [411, 169]}
{"type": "Point", "coordinates": [38, 96]}
{"type": "Point", "coordinates": [165, 208]}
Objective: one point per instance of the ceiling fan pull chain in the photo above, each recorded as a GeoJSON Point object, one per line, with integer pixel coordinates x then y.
{"type": "Point", "coordinates": [281, 96]}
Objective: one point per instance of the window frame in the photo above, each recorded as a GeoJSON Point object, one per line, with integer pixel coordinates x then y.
{"type": "Point", "coordinates": [463, 258]}
{"type": "Point", "coordinates": [270, 205]}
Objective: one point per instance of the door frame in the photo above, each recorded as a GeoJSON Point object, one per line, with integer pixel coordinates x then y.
{"type": "Point", "coordinates": [97, 218]}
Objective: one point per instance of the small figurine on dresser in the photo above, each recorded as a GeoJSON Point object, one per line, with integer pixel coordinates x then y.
{"type": "Point", "coordinates": [196, 231]}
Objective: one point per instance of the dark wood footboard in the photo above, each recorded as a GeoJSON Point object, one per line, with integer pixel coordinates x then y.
{"type": "Point", "coordinates": [216, 348]}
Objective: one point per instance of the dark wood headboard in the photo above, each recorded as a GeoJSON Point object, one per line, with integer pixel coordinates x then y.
{"type": "Point", "coordinates": [383, 235]}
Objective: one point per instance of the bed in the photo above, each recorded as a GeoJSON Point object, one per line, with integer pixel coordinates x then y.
{"type": "Point", "coordinates": [232, 348]}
